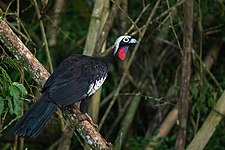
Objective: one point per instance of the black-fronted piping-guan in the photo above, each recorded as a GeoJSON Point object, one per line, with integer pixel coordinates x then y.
{"type": "Point", "coordinates": [76, 79]}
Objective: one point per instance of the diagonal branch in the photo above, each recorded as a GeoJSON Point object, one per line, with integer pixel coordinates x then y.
{"type": "Point", "coordinates": [40, 75]}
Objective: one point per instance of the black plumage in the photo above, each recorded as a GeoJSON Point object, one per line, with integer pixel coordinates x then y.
{"type": "Point", "coordinates": [76, 79]}
{"type": "Point", "coordinates": [70, 82]}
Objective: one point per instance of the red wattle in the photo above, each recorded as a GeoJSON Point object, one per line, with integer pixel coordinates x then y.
{"type": "Point", "coordinates": [122, 53]}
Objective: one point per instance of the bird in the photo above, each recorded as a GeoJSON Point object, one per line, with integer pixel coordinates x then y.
{"type": "Point", "coordinates": [76, 79]}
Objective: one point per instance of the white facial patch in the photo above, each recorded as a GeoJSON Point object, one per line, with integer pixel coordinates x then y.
{"type": "Point", "coordinates": [117, 43]}
{"type": "Point", "coordinates": [95, 86]}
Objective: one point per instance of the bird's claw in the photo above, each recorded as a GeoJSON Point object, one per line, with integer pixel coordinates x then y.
{"type": "Point", "coordinates": [90, 120]}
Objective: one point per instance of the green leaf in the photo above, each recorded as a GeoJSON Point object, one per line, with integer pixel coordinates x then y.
{"type": "Point", "coordinates": [1, 105]}
{"type": "Point", "coordinates": [9, 100]}
{"type": "Point", "coordinates": [5, 75]}
{"type": "Point", "coordinates": [15, 93]}
{"type": "Point", "coordinates": [20, 87]}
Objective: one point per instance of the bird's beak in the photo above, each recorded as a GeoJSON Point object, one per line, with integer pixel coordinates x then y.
{"type": "Point", "coordinates": [133, 41]}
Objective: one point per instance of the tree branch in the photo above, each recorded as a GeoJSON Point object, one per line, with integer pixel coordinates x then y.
{"type": "Point", "coordinates": [186, 74]}
{"type": "Point", "coordinates": [40, 75]}
{"type": "Point", "coordinates": [107, 27]}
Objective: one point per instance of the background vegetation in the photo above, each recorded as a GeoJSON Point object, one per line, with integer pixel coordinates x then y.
{"type": "Point", "coordinates": [151, 88]}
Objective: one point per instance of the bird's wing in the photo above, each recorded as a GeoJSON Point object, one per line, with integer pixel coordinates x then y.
{"type": "Point", "coordinates": [65, 92]}
{"type": "Point", "coordinates": [71, 81]}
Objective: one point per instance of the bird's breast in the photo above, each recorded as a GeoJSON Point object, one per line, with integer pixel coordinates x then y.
{"type": "Point", "coordinates": [96, 85]}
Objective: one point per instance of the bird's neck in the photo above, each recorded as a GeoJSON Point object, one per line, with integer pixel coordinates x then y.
{"type": "Point", "coordinates": [110, 56]}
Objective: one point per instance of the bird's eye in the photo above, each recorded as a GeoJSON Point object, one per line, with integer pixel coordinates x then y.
{"type": "Point", "coordinates": [125, 40]}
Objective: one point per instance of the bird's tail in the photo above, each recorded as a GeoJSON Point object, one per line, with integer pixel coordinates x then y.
{"type": "Point", "coordinates": [34, 120]}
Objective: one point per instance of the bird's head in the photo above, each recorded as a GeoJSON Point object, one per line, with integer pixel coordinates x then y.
{"type": "Point", "coordinates": [122, 44]}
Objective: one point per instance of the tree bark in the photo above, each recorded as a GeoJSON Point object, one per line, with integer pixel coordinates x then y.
{"type": "Point", "coordinates": [186, 74]}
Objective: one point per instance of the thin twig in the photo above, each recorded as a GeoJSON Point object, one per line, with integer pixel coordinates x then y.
{"type": "Point", "coordinates": [172, 8]}
{"type": "Point", "coordinates": [131, 20]}
{"type": "Point", "coordinates": [118, 118]}
{"type": "Point", "coordinates": [173, 30]}
{"type": "Point", "coordinates": [43, 36]}
{"type": "Point", "coordinates": [138, 18]}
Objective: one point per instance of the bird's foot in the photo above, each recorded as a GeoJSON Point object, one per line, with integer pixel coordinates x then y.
{"type": "Point", "coordinates": [81, 116]}
{"type": "Point", "coordinates": [90, 120]}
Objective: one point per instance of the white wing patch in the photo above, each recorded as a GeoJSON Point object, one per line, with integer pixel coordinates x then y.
{"type": "Point", "coordinates": [95, 86]}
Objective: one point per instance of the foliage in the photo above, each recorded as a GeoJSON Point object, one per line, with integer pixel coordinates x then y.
{"type": "Point", "coordinates": [137, 143]}
{"type": "Point", "coordinates": [11, 92]}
